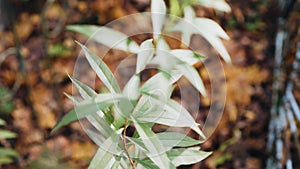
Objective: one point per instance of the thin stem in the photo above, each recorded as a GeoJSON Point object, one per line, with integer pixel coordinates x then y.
{"type": "Point", "coordinates": [125, 146]}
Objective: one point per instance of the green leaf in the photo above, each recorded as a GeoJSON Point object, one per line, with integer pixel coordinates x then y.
{"type": "Point", "coordinates": [2, 122]}
{"type": "Point", "coordinates": [138, 143]}
{"type": "Point", "coordinates": [145, 55]}
{"type": "Point", "coordinates": [106, 36]}
{"type": "Point", "coordinates": [175, 8]}
{"type": "Point", "coordinates": [99, 122]}
{"type": "Point", "coordinates": [88, 107]}
{"type": "Point", "coordinates": [163, 57]}
{"type": "Point", "coordinates": [186, 156]}
{"type": "Point", "coordinates": [207, 28]}
{"type": "Point", "coordinates": [85, 91]}
{"type": "Point", "coordinates": [220, 5]}
{"type": "Point", "coordinates": [131, 89]}
{"type": "Point", "coordinates": [147, 163]}
{"type": "Point", "coordinates": [174, 139]}
{"type": "Point", "coordinates": [193, 76]}
{"type": "Point", "coordinates": [156, 150]}
{"type": "Point", "coordinates": [58, 50]}
{"type": "Point", "coordinates": [8, 152]}
{"type": "Point", "coordinates": [5, 160]}
{"type": "Point", "coordinates": [157, 86]}
{"type": "Point", "coordinates": [187, 56]}
{"type": "Point", "coordinates": [168, 140]}
{"type": "Point", "coordinates": [102, 70]}
{"type": "Point", "coordinates": [106, 152]}
{"type": "Point", "coordinates": [5, 134]}
{"type": "Point", "coordinates": [75, 100]}
{"type": "Point", "coordinates": [117, 162]}
{"type": "Point", "coordinates": [158, 12]}
{"type": "Point", "coordinates": [170, 114]}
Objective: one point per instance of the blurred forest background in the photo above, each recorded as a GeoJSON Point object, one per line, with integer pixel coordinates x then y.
{"type": "Point", "coordinates": [37, 53]}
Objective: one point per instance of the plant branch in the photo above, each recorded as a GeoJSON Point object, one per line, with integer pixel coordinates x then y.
{"type": "Point", "coordinates": [125, 145]}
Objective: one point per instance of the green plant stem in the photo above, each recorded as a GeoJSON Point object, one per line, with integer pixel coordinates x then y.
{"type": "Point", "coordinates": [125, 146]}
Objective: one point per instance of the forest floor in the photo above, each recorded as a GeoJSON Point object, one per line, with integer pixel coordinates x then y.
{"type": "Point", "coordinates": [48, 54]}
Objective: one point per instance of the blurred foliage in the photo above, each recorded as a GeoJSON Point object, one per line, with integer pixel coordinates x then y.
{"type": "Point", "coordinates": [6, 104]}
{"type": "Point", "coordinates": [7, 155]}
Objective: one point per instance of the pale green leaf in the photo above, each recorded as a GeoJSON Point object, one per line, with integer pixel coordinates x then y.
{"type": "Point", "coordinates": [6, 160]}
{"type": "Point", "coordinates": [220, 5]}
{"type": "Point", "coordinates": [5, 134]}
{"type": "Point", "coordinates": [156, 150]}
{"type": "Point", "coordinates": [170, 114]}
{"type": "Point", "coordinates": [175, 8]}
{"type": "Point", "coordinates": [106, 152]}
{"type": "Point", "coordinates": [138, 143]}
{"type": "Point", "coordinates": [131, 89]}
{"type": "Point", "coordinates": [186, 156]}
{"type": "Point", "coordinates": [117, 162]}
{"type": "Point", "coordinates": [207, 28]}
{"type": "Point", "coordinates": [75, 100]}
{"type": "Point", "coordinates": [187, 56]}
{"type": "Point", "coordinates": [145, 55]}
{"type": "Point", "coordinates": [174, 139]}
{"type": "Point", "coordinates": [168, 140]}
{"type": "Point", "coordinates": [106, 36]}
{"type": "Point", "coordinates": [2, 122]}
{"type": "Point", "coordinates": [8, 152]}
{"type": "Point", "coordinates": [102, 70]}
{"type": "Point", "coordinates": [157, 86]}
{"type": "Point", "coordinates": [158, 11]}
{"type": "Point", "coordinates": [193, 76]}
{"type": "Point", "coordinates": [88, 107]}
{"type": "Point", "coordinates": [210, 27]}
{"type": "Point", "coordinates": [85, 91]}
{"type": "Point", "coordinates": [146, 164]}
{"type": "Point", "coordinates": [99, 122]}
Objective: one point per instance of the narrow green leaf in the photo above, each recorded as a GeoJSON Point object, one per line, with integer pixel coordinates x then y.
{"type": "Point", "coordinates": [186, 156]}
{"type": "Point", "coordinates": [138, 143]}
{"type": "Point", "coordinates": [88, 107]}
{"type": "Point", "coordinates": [174, 139]}
{"type": "Point", "coordinates": [175, 8]}
{"type": "Point", "coordinates": [157, 86]}
{"type": "Point", "coordinates": [5, 134]}
{"type": "Point", "coordinates": [156, 150]}
{"type": "Point", "coordinates": [220, 5]}
{"type": "Point", "coordinates": [187, 56]}
{"type": "Point", "coordinates": [131, 89]}
{"type": "Point", "coordinates": [99, 122]}
{"type": "Point", "coordinates": [5, 160]}
{"type": "Point", "coordinates": [85, 91]}
{"type": "Point", "coordinates": [106, 152]}
{"type": "Point", "coordinates": [168, 140]}
{"type": "Point", "coordinates": [147, 163]}
{"type": "Point", "coordinates": [102, 70]}
{"type": "Point", "coordinates": [106, 36]}
{"type": "Point", "coordinates": [193, 76]}
{"type": "Point", "coordinates": [75, 100]}
{"type": "Point", "coordinates": [117, 162]}
{"type": "Point", "coordinates": [158, 11]}
{"type": "Point", "coordinates": [144, 55]}
{"type": "Point", "coordinates": [170, 114]}
{"type": "Point", "coordinates": [8, 152]}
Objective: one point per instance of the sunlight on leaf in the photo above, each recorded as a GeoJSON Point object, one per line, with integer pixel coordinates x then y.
{"type": "Point", "coordinates": [144, 55]}
{"type": "Point", "coordinates": [153, 144]}
{"type": "Point", "coordinates": [158, 11]}
{"type": "Point", "coordinates": [220, 5]}
{"type": "Point", "coordinates": [183, 156]}
{"type": "Point", "coordinates": [106, 36]}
